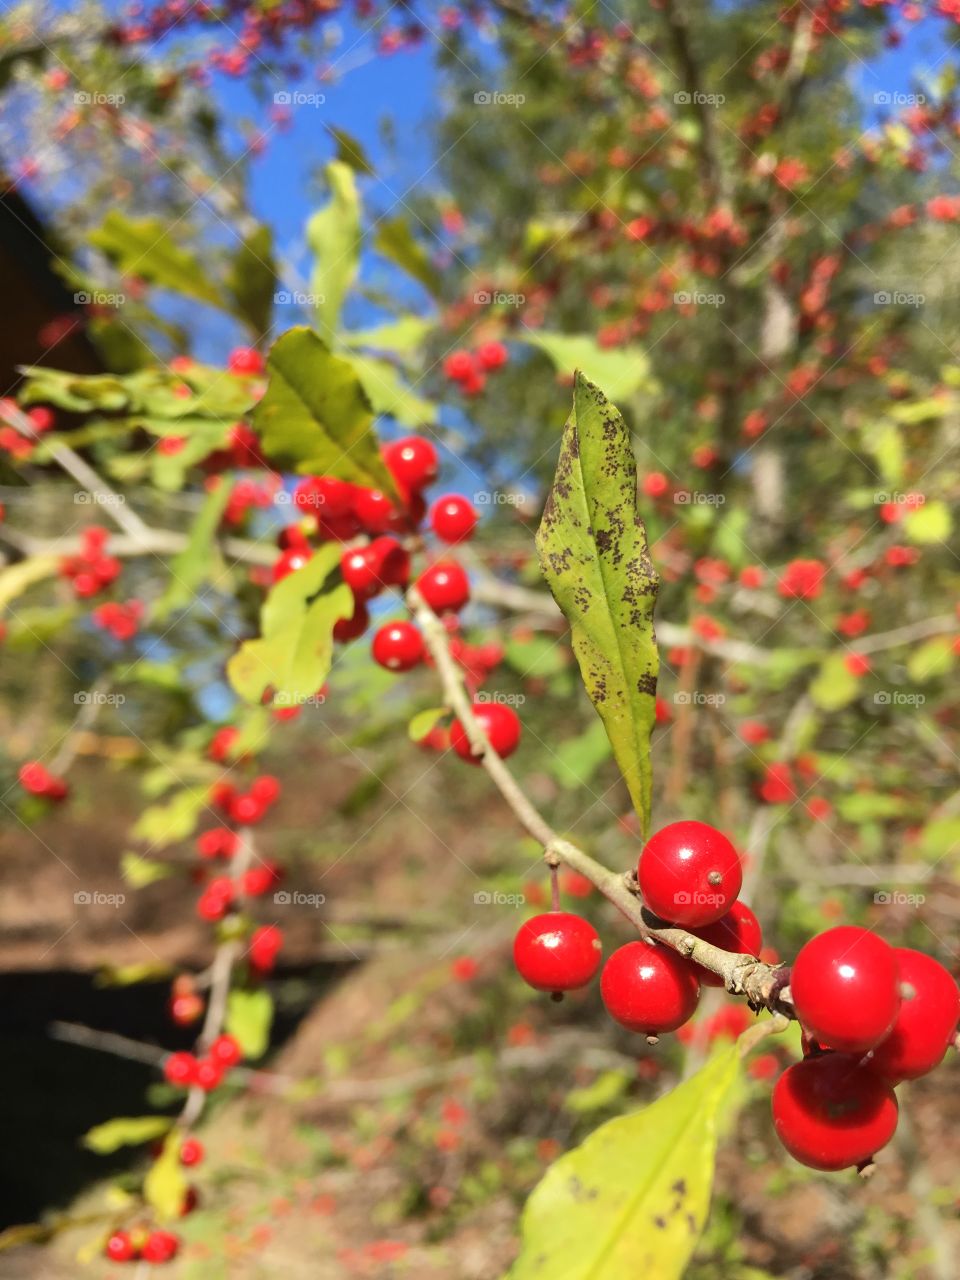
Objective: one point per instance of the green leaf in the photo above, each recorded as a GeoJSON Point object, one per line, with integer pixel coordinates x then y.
{"type": "Point", "coordinates": [608, 1088]}
{"type": "Point", "coordinates": [620, 371]}
{"type": "Point", "coordinates": [316, 416]}
{"type": "Point", "coordinates": [929, 523]}
{"type": "Point", "coordinates": [200, 559]}
{"type": "Point", "coordinates": [165, 1186]}
{"type": "Point", "coordinates": [632, 1200]}
{"type": "Point", "coordinates": [421, 724]}
{"type": "Point", "coordinates": [249, 1018]}
{"type": "Point", "coordinates": [594, 555]}
{"type": "Point", "coordinates": [292, 655]}
{"type": "Point", "coordinates": [399, 337]}
{"type": "Point", "coordinates": [17, 578]}
{"type": "Point", "coordinates": [834, 687]}
{"type": "Point", "coordinates": [172, 821]}
{"type": "Point", "coordinates": [333, 235]}
{"type": "Point", "coordinates": [252, 280]}
{"type": "Point", "coordinates": [931, 660]}
{"type": "Point", "coordinates": [885, 442]}
{"type": "Point", "coordinates": [575, 761]}
{"type": "Point", "coordinates": [73, 391]}
{"type": "Point", "coordinates": [125, 1131]}
{"type": "Point", "coordinates": [152, 249]}
{"type": "Point", "coordinates": [138, 871]}
{"type": "Point", "coordinates": [350, 151]}
{"type": "Point", "coordinates": [541, 655]}
{"type": "Point", "coordinates": [395, 240]}
{"type": "Point", "coordinates": [869, 806]}
{"type": "Point", "coordinates": [939, 839]}
{"type": "Point", "coordinates": [389, 394]}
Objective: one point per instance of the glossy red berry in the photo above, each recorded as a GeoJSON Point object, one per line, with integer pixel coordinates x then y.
{"type": "Point", "coordinates": [120, 1247]}
{"type": "Point", "coordinates": [739, 931]}
{"type": "Point", "coordinates": [208, 1074]}
{"type": "Point", "coordinates": [926, 1021]}
{"type": "Point", "coordinates": [245, 360]}
{"type": "Point", "coordinates": [557, 951]}
{"type": "Point", "coordinates": [492, 355]}
{"type": "Point", "coordinates": [226, 1050]}
{"type": "Point", "coordinates": [845, 988]}
{"type": "Point", "coordinates": [398, 646]}
{"type": "Point", "coordinates": [649, 988]}
{"type": "Point", "coordinates": [499, 722]}
{"type": "Point", "coordinates": [264, 947]}
{"type": "Point", "coordinates": [391, 561]}
{"type": "Point", "coordinates": [689, 873]}
{"type": "Point", "coordinates": [444, 586]}
{"type": "Point", "coordinates": [288, 562]}
{"type": "Point", "coordinates": [831, 1112]}
{"type": "Point", "coordinates": [191, 1152]}
{"type": "Point", "coordinates": [325, 497]}
{"type": "Point", "coordinates": [412, 462]}
{"type": "Point", "coordinates": [180, 1069]}
{"type": "Point", "coordinates": [160, 1246]}
{"type": "Point", "coordinates": [458, 365]}
{"type": "Point", "coordinates": [360, 569]}
{"type": "Point", "coordinates": [452, 518]}
{"type": "Point", "coordinates": [375, 511]}
{"type": "Point", "coordinates": [346, 629]}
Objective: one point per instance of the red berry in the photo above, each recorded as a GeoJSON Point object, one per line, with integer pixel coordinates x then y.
{"type": "Point", "coordinates": [221, 744]}
{"type": "Point", "coordinates": [391, 561]}
{"type": "Point", "coordinates": [186, 1008]}
{"type": "Point", "coordinates": [260, 880]}
{"type": "Point", "coordinates": [226, 1050]}
{"type": "Point", "coordinates": [458, 365]}
{"type": "Point", "coordinates": [345, 629]}
{"type": "Point", "coordinates": [845, 988]}
{"type": "Point", "coordinates": [499, 722]}
{"type": "Point", "coordinates": [266, 788]}
{"type": "Point", "coordinates": [120, 1247]}
{"type": "Point", "coordinates": [360, 570]}
{"type": "Point", "coordinates": [375, 511]}
{"type": "Point", "coordinates": [289, 562]}
{"type": "Point", "coordinates": [689, 873]}
{"type": "Point", "coordinates": [557, 951]}
{"type": "Point", "coordinates": [218, 842]}
{"type": "Point", "coordinates": [180, 1069]}
{"type": "Point", "coordinates": [655, 484]}
{"type": "Point", "coordinates": [738, 931]}
{"type": "Point", "coordinates": [926, 1021]}
{"type": "Point", "coordinates": [264, 946]}
{"type": "Point", "coordinates": [831, 1112]}
{"type": "Point", "coordinates": [325, 496]}
{"type": "Point", "coordinates": [452, 518]}
{"type": "Point", "coordinates": [247, 809]}
{"type": "Point", "coordinates": [412, 462]}
{"type": "Point", "coordinates": [245, 360]}
{"type": "Point", "coordinates": [444, 586]}
{"type": "Point", "coordinates": [492, 355]}
{"type": "Point", "coordinates": [160, 1246]}
{"type": "Point", "coordinates": [398, 646]}
{"type": "Point", "coordinates": [649, 988]}
{"type": "Point", "coordinates": [191, 1152]}
{"type": "Point", "coordinates": [209, 1074]}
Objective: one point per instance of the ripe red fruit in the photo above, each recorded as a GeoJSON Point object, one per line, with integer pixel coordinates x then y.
{"type": "Point", "coordinates": [218, 842]}
{"type": "Point", "coordinates": [226, 1050]}
{"type": "Point", "coordinates": [492, 355]}
{"type": "Point", "coordinates": [739, 931]}
{"type": "Point", "coordinates": [831, 1112]}
{"type": "Point", "coordinates": [264, 946]}
{"type": "Point", "coordinates": [412, 462]}
{"type": "Point", "coordinates": [391, 561]}
{"type": "Point", "coordinates": [120, 1247]}
{"type": "Point", "coordinates": [246, 809]}
{"type": "Point", "coordinates": [655, 484]}
{"type": "Point", "coordinates": [186, 1008]}
{"type": "Point", "coordinates": [160, 1246]}
{"type": "Point", "coordinates": [208, 1074]}
{"type": "Point", "coordinates": [452, 518]}
{"type": "Point", "coordinates": [260, 880]}
{"type": "Point", "coordinates": [180, 1069]}
{"type": "Point", "coordinates": [288, 562]}
{"type": "Point", "coordinates": [557, 951]}
{"type": "Point", "coordinates": [245, 360]}
{"type": "Point", "coordinates": [345, 629]}
{"type": "Point", "coordinates": [845, 988]}
{"type": "Point", "coordinates": [191, 1152]}
{"type": "Point", "coordinates": [458, 365]}
{"type": "Point", "coordinates": [266, 788]}
{"type": "Point", "coordinates": [375, 511]}
{"type": "Point", "coordinates": [926, 1021]}
{"type": "Point", "coordinates": [444, 586]}
{"type": "Point", "coordinates": [360, 572]}
{"type": "Point", "coordinates": [325, 496]}
{"type": "Point", "coordinates": [499, 722]}
{"type": "Point", "coordinates": [649, 988]}
{"type": "Point", "coordinates": [689, 873]}
{"type": "Point", "coordinates": [398, 646]}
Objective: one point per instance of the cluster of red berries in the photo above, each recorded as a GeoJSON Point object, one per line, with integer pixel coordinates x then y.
{"type": "Point", "coordinates": [186, 1071]}
{"type": "Point", "coordinates": [121, 619]}
{"type": "Point", "coordinates": [142, 1245]}
{"type": "Point", "coordinates": [37, 779]}
{"type": "Point", "coordinates": [469, 369]}
{"type": "Point", "coordinates": [92, 570]}
{"type": "Point", "coordinates": [17, 444]}
{"type": "Point", "coordinates": [872, 1015]}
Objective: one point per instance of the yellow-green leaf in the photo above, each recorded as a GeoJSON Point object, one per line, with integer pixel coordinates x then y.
{"type": "Point", "coordinates": [834, 686]}
{"type": "Point", "coordinates": [138, 871]}
{"type": "Point", "coordinates": [620, 371]}
{"type": "Point", "coordinates": [165, 1186]}
{"type": "Point", "coordinates": [928, 523]}
{"type": "Point", "coordinates": [153, 250]}
{"type": "Point", "coordinates": [333, 234]}
{"type": "Point", "coordinates": [421, 724]}
{"type": "Point", "coordinates": [252, 280]}
{"type": "Point", "coordinates": [632, 1200]}
{"type": "Point", "coordinates": [200, 559]}
{"type": "Point", "coordinates": [173, 820]}
{"type": "Point", "coordinates": [932, 659]}
{"type": "Point", "coordinates": [125, 1131]}
{"type": "Point", "coordinates": [395, 240]}
{"type": "Point", "coordinates": [594, 555]}
{"type": "Point", "coordinates": [249, 1018]}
